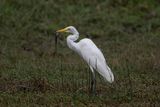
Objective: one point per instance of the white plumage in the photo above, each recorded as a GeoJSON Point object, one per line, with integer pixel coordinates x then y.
{"type": "Point", "coordinates": [89, 52]}
{"type": "Point", "coordinates": [94, 58]}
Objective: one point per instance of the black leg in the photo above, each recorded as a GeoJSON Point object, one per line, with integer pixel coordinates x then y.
{"type": "Point", "coordinates": [93, 84]}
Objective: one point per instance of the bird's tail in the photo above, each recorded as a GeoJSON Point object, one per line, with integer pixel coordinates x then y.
{"type": "Point", "coordinates": [109, 76]}
{"type": "Point", "coordinates": [106, 73]}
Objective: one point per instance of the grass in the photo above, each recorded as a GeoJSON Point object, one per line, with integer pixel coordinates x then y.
{"type": "Point", "coordinates": [31, 74]}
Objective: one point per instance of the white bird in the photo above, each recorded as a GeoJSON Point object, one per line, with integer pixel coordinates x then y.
{"type": "Point", "coordinates": [91, 54]}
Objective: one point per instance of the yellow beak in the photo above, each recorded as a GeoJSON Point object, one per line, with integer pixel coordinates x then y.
{"type": "Point", "coordinates": [62, 30]}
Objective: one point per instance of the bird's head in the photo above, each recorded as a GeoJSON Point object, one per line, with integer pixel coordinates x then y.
{"type": "Point", "coordinates": [70, 29]}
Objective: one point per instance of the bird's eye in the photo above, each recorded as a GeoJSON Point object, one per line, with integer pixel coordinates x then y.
{"type": "Point", "coordinates": [69, 29]}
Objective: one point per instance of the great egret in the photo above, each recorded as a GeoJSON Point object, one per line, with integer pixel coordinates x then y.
{"type": "Point", "coordinates": [90, 53]}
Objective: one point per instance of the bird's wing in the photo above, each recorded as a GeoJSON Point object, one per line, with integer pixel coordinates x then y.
{"type": "Point", "coordinates": [94, 57]}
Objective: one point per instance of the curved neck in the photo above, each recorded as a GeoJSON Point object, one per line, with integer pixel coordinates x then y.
{"type": "Point", "coordinates": [71, 41]}
{"type": "Point", "coordinates": [73, 37]}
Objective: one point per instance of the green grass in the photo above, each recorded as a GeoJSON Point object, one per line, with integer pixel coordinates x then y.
{"type": "Point", "coordinates": [127, 32]}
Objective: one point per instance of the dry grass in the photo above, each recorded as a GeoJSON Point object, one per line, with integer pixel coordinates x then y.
{"type": "Point", "coordinates": [33, 74]}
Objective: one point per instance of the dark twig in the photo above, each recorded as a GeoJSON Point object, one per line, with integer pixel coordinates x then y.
{"type": "Point", "coordinates": [56, 41]}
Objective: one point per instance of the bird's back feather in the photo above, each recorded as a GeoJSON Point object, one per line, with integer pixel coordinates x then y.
{"type": "Point", "coordinates": [94, 57]}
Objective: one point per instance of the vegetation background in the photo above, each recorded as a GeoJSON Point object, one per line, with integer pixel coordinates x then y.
{"type": "Point", "coordinates": [127, 32]}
